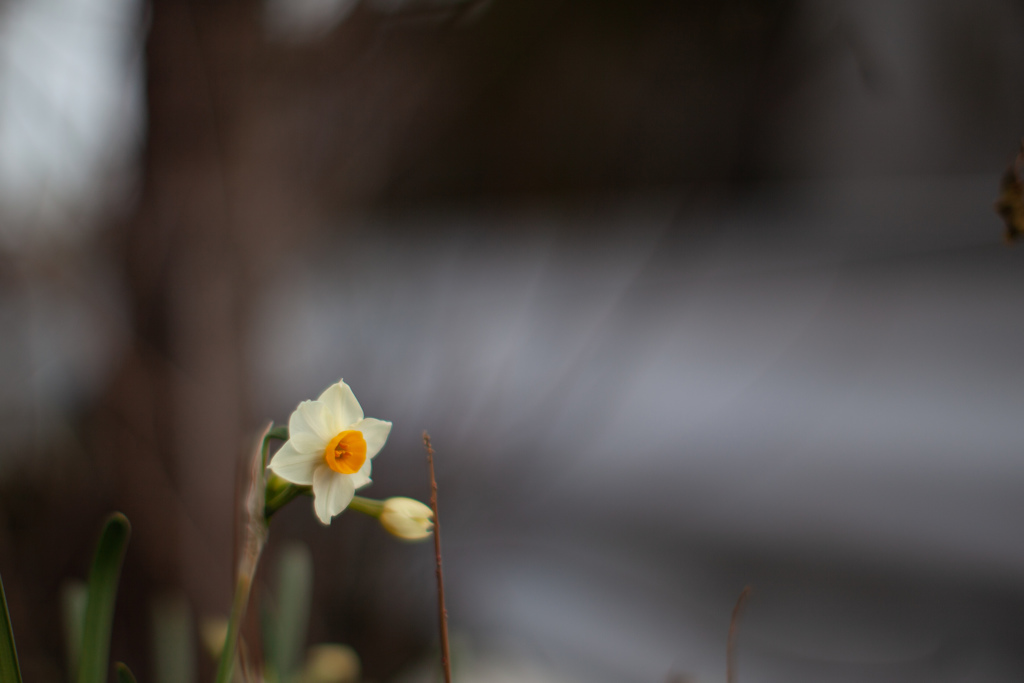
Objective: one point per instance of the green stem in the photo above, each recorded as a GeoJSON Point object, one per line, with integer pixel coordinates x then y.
{"type": "Point", "coordinates": [367, 506]}
{"type": "Point", "coordinates": [283, 497]}
{"type": "Point", "coordinates": [227, 656]}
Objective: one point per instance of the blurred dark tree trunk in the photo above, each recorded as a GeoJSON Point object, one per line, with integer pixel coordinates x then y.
{"type": "Point", "coordinates": [214, 204]}
{"type": "Point", "coordinates": [172, 425]}
{"type": "Point", "coordinates": [235, 143]}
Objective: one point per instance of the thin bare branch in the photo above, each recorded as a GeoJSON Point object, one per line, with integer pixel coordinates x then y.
{"type": "Point", "coordinates": [442, 611]}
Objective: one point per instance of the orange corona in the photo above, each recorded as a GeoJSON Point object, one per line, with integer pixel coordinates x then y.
{"type": "Point", "coordinates": [346, 452]}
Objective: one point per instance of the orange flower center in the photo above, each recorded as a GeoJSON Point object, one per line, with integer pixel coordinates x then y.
{"type": "Point", "coordinates": [346, 452]}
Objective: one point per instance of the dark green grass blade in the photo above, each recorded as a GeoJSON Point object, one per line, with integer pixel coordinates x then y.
{"type": "Point", "coordinates": [10, 672]}
{"type": "Point", "coordinates": [99, 606]}
{"type": "Point", "coordinates": [124, 674]}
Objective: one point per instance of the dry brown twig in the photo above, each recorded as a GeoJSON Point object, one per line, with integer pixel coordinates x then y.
{"type": "Point", "coordinates": [442, 611]}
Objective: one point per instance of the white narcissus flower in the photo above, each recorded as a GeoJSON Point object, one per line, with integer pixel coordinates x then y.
{"type": "Point", "coordinates": [330, 445]}
{"type": "Point", "coordinates": [407, 518]}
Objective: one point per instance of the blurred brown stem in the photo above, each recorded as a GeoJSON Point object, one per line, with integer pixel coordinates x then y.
{"type": "Point", "coordinates": [734, 627]}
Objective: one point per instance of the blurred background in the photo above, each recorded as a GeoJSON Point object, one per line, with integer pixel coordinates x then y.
{"type": "Point", "coordinates": [690, 296]}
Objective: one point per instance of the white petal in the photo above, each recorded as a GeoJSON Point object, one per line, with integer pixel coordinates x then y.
{"type": "Point", "coordinates": [332, 492]}
{"type": "Point", "coordinates": [308, 427]}
{"type": "Point", "coordinates": [294, 465]}
{"type": "Point", "coordinates": [362, 477]}
{"type": "Point", "coordinates": [375, 432]}
{"type": "Point", "coordinates": [342, 405]}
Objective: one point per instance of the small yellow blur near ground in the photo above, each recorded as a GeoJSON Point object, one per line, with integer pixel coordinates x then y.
{"type": "Point", "coordinates": [330, 663]}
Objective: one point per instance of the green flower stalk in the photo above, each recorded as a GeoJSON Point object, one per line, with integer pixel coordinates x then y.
{"type": "Point", "coordinates": [404, 518]}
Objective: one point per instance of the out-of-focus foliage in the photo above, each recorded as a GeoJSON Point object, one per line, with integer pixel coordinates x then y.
{"type": "Point", "coordinates": [286, 624]}
{"type": "Point", "coordinates": [173, 644]}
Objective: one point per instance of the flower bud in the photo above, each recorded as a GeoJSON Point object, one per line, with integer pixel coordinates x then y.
{"type": "Point", "coordinates": [407, 519]}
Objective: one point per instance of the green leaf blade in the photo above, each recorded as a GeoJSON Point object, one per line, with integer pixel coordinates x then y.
{"type": "Point", "coordinates": [102, 594]}
{"type": "Point", "coordinates": [10, 672]}
{"type": "Point", "coordinates": [124, 674]}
